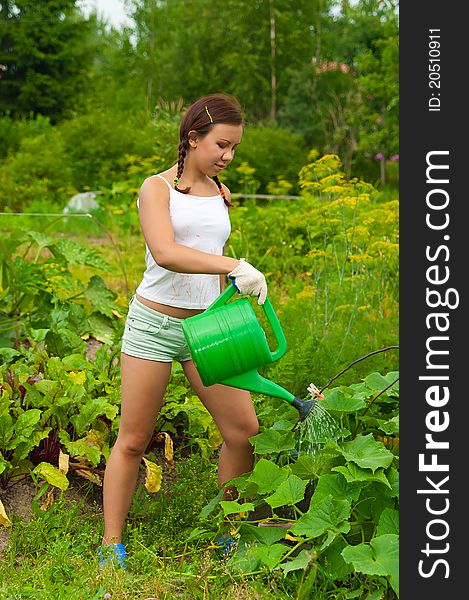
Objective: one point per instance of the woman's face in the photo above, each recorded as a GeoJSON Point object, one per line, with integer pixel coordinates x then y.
{"type": "Point", "coordinates": [216, 150]}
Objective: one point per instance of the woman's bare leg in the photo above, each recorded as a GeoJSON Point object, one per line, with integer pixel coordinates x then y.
{"type": "Point", "coordinates": [234, 414]}
{"type": "Point", "coordinates": [143, 385]}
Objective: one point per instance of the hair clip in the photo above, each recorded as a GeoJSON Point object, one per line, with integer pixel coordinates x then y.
{"type": "Point", "coordinates": [176, 181]}
{"type": "Point", "coordinates": [210, 116]}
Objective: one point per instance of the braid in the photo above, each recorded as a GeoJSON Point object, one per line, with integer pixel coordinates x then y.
{"type": "Point", "coordinates": [222, 190]}
{"type": "Point", "coordinates": [183, 146]}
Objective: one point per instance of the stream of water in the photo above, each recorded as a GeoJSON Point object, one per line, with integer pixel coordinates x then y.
{"type": "Point", "coordinates": [318, 428]}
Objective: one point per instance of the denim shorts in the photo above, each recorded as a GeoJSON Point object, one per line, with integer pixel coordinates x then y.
{"type": "Point", "coordinates": [153, 335]}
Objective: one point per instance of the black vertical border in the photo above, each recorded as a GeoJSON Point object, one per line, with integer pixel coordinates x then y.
{"type": "Point", "coordinates": [422, 131]}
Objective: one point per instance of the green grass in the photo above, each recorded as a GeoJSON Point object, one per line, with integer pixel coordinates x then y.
{"type": "Point", "coordinates": [54, 554]}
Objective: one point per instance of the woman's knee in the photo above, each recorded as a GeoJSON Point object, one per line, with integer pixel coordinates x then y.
{"type": "Point", "coordinates": [133, 444]}
{"type": "Point", "coordinates": [239, 434]}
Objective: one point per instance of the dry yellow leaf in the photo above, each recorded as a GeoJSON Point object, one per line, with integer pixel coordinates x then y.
{"type": "Point", "coordinates": [49, 500]}
{"type": "Point", "coordinates": [153, 478]}
{"type": "Point", "coordinates": [80, 461]}
{"type": "Point", "coordinates": [4, 520]}
{"type": "Point", "coordinates": [168, 445]}
{"type": "Point", "coordinates": [90, 476]}
{"type": "Point", "coordinates": [63, 462]}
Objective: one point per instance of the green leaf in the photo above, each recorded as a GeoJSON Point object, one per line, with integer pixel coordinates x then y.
{"type": "Point", "coordinates": [376, 381]}
{"type": "Point", "coordinates": [361, 557]}
{"type": "Point", "coordinates": [3, 463]}
{"type": "Point", "coordinates": [42, 240]}
{"type": "Point", "coordinates": [329, 513]}
{"type": "Point", "coordinates": [83, 448]}
{"type": "Point", "coordinates": [366, 452]}
{"type": "Point", "coordinates": [8, 353]}
{"type": "Point", "coordinates": [335, 486]}
{"type": "Point", "coordinates": [299, 562]}
{"type": "Point", "coordinates": [353, 473]}
{"type": "Point", "coordinates": [52, 475]}
{"type": "Point", "coordinates": [379, 557]}
{"type": "Point", "coordinates": [245, 487]}
{"type": "Point", "coordinates": [272, 442]}
{"type": "Point", "coordinates": [386, 551]}
{"type": "Point", "coordinates": [6, 429]}
{"type": "Point", "coordinates": [91, 411]}
{"type": "Point", "coordinates": [38, 335]}
{"type": "Point", "coordinates": [340, 402]}
{"type": "Point", "coordinates": [100, 296]}
{"type": "Point", "coordinates": [379, 382]}
{"type": "Point", "coordinates": [282, 424]}
{"type": "Point", "coordinates": [390, 427]}
{"type": "Point", "coordinates": [268, 476]}
{"type": "Point", "coordinates": [75, 254]}
{"type": "Point", "coordinates": [289, 492]}
{"type": "Point", "coordinates": [337, 567]}
{"type": "Point", "coordinates": [210, 507]}
{"type": "Point", "coordinates": [25, 424]}
{"type": "Point", "coordinates": [199, 533]}
{"type": "Point", "coordinates": [261, 535]}
{"type": "Point", "coordinates": [242, 561]}
{"type": "Point", "coordinates": [393, 478]}
{"type": "Point", "coordinates": [306, 467]}
{"type": "Point", "coordinates": [231, 507]}
{"type": "Point", "coordinates": [47, 387]}
{"type": "Point", "coordinates": [388, 522]}
{"type": "Point", "coordinates": [269, 555]}
{"type": "Point", "coordinates": [23, 449]}
{"type": "Point", "coordinates": [76, 362]}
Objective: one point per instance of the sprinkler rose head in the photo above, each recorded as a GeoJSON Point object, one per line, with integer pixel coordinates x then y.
{"type": "Point", "coordinates": [304, 407]}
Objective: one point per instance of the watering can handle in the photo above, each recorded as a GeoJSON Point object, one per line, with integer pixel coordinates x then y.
{"type": "Point", "coordinates": [270, 314]}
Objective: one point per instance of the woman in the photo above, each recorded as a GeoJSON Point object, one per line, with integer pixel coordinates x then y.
{"type": "Point", "coordinates": [184, 216]}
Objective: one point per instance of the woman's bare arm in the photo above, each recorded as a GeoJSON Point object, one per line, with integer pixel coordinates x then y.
{"type": "Point", "coordinates": [159, 235]}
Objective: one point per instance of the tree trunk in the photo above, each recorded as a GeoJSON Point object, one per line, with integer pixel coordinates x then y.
{"type": "Point", "coordinates": [273, 77]}
{"type": "Point", "coordinates": [382, 169]}
{"type": "Point", "coordinates": [150, 68]}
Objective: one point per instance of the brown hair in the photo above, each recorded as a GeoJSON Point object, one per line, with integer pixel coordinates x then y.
{"type": "Point", "coordinates": [222, 108]}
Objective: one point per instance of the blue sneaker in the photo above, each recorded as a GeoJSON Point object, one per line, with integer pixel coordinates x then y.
{"type": "Point", "coordinates": [114, 554]}
{"type": "Point", "coordinates": [227, 544]}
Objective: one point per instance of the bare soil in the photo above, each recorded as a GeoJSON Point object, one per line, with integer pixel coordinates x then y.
{"type": "Point", "coordinates": [17, 499]}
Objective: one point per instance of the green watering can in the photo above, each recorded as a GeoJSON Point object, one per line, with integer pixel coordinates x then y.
{"type": "Point", "coordinates": [228, 345]}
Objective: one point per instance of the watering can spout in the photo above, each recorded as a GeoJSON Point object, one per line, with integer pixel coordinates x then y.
{"type": "Point", "coordinates": [253, 382]}
{"type": "Point", "coordinates": [304, 407]}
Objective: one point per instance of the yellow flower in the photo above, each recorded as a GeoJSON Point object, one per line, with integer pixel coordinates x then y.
{"type": "Point", "coordinates": [308, 292]}
{"type": "Point", "coordinates": [316, 253]}
{"type": "Point", "coordinates": [344, 307]}
{"type": "Point", "coordinates": [334, 178]}
{"type": "Point", "coordinates": [333, 189]}
{"type": "Point", "coordinates": [359, 231]}
{"type": "Point", "coordinates": [360, 258]}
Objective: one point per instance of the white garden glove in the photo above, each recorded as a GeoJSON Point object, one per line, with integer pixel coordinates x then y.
{"type": "Point", "coordinates": [248, 280]}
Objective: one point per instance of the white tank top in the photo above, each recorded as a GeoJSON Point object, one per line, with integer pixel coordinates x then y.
{"type": "Point", "coordinates": [200, 222]}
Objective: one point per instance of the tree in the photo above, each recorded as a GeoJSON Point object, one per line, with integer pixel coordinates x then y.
{"type": "Point", "coordinates": [45, 55]}
{"type": "Point", "coordinates": [346, 100]}
{"type": "Point", "coordinates": [250, 49]}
